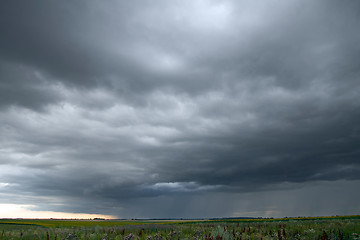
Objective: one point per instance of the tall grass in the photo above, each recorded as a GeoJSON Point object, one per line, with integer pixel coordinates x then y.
{"type": "Point", "coordinates": [282, 229]}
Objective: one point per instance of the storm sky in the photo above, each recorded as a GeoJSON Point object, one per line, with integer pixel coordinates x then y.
{"type": "Point", "coordinates": [180, 109]}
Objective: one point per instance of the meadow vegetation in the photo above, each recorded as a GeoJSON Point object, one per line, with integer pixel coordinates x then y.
{"type": "Point", "coordinates": [346, 227]}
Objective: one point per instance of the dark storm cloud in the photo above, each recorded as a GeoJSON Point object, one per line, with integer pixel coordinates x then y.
{"type": "Point", "coordinates": [141, 106]}
{"type": "Point", "coordinates": [24, 86]}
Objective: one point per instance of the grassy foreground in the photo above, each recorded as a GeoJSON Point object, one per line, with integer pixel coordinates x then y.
{"type": "Point", "coordinates": [344, 227]}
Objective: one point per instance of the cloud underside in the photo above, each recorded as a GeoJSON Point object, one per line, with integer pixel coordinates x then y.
{"type": "Point", "coordinates": [141, 106]}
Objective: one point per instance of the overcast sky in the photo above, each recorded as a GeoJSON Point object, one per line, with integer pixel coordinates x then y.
{"type": "Point", "coordinates": [157, 109]}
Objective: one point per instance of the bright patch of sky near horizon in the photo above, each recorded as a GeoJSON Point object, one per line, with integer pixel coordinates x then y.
{"type": "Point", "coordinates": [24, 211]}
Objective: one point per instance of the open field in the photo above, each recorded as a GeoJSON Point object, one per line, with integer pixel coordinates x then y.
{"type": "Point", "coordinates": [341, 227]}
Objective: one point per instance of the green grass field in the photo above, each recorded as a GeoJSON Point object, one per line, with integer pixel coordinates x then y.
{"type": "Point", "coordinates": [341, 227]}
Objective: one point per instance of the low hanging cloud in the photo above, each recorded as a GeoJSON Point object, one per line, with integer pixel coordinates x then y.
{"type": "Point", "coordinates": [150, 109]}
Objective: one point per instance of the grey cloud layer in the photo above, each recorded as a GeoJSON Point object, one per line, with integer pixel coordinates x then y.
{"type": "Point", "coordinates": [148, 104]}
